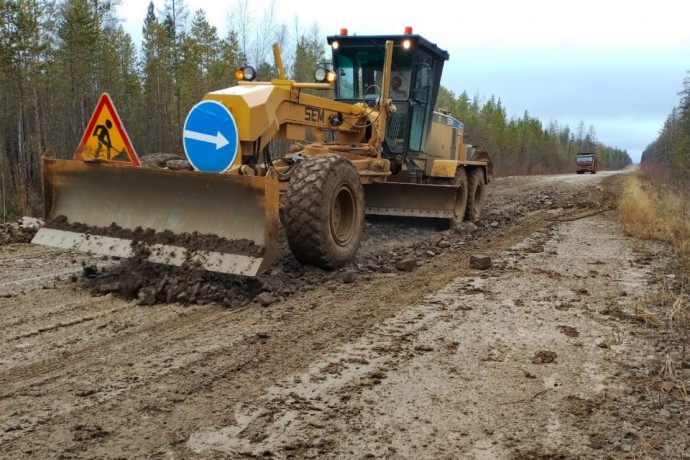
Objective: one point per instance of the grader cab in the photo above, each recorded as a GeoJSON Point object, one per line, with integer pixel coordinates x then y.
{"type": "Point", "coordinates": [378, 147]}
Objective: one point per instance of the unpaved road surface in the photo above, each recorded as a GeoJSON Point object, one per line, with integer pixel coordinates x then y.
{"type": "Point", "coordinates": [406, 353]}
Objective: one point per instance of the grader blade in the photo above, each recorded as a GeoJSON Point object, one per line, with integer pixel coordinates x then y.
{"type": "Point", "coordinates": [221, 223]}
{"type": "Point", "coordinates": [413, 200]}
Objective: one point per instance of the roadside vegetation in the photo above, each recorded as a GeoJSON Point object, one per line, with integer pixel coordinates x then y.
{"type": "Point", "coordinates": [653, 211]}
{"type": "Point", "coordinates": [655, 205]}
{"type": "Point", "coordinates": [656, 202]}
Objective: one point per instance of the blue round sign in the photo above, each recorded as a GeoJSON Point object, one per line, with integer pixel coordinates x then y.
{"type": "Point", "coordinates": [210, 137]}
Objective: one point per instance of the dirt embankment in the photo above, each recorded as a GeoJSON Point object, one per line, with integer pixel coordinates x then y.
{"type": "Point", "coordinates": [406, 353]}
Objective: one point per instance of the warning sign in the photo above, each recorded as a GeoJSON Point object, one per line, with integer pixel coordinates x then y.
{"type": "Point", "coordinates": [105, 139]}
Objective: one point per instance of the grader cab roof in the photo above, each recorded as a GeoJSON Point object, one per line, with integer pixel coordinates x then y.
{"type": "Point", "coordinates": [417, 42]}
{"type": "Point", "coordinates": [358, 61]}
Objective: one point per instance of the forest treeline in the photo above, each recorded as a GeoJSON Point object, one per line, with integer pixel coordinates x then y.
{"type": "Point", "coordinates": [58, 56]}
{"type": "Point", "coordinates": [524, 145]}
{"type": "Point", "coordinates": [669, 154]}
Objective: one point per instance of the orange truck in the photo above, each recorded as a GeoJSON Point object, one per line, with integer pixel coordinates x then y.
{"type": "Point", "coordinates": [586, 162]}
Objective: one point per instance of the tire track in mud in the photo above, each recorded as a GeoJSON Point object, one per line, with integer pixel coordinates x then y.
{"type": "Point", "coordinates": [45, 331]}
{"type": "Point", "coordinates": [310, 397]}
{"type": "Point", "coordinates": [64, 324]}
{"type": "Point", "coordinates": [38, 278]}
{"type": "Point", "coordinates": [90, 354]}
{"type": "Point", "coordinates": [28, 317]}
{"type": "Point", "coordinates": [271, 344]}
{"type": "Point", "coordinates": [54, 384]}
{"type": "Point", "coordinates": [36, 264]}
{"type": "Point", "coordinates": [44, 252]}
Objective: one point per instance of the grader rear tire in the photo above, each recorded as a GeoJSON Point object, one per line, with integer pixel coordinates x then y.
{"type": "Point", "coordinates": [461, 198]}
{"type": "Point", "coordinates": [460, 180]}
{"type": "Point", "coordinates": [324, 211]}
{"type": "Point", "coordinates": [476, 192]}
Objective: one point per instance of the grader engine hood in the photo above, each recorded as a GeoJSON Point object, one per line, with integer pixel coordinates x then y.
{"type": "Point", "coordinates": [260, 111]}
{"type": "Point", "coordinates": [254, 107]}
{"type": "Point", "coordinates": [215, 128]}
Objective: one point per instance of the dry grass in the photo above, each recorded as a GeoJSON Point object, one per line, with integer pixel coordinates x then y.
{"type": "Point", "coordinates": [680, 314]}
{"type": "Point", "coordinates": [654, 212]}
{"type": "Point", "coordinates": [650, 211]}
{"type": "Point", "coordinates": [643, 315]}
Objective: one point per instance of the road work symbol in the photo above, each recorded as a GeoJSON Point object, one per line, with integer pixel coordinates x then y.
{"type": "Point", "coordinates": [105, 138]}
{"type": "Point", "coordinates": [210, 137]}
{"type": "Point", "coordinates": [101, 132]}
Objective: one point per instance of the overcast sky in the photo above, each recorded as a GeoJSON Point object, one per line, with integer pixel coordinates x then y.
{"type": "Point", "coordinates": [617, 65]}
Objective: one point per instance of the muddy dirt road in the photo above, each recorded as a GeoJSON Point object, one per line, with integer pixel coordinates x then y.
{"type": "Point", "coordinates": [406, 353]}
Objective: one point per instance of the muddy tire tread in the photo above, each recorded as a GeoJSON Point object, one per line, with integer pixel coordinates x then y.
{"type": "Point", "coordinates": [475, 181]}
{"type": "Point", "coordinates": [460, 178]}
{"type": "Point", "coordinates": [305, 214]}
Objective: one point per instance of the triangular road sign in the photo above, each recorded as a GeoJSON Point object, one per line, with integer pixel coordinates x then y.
{"type": "Point", "coordinates": [105, 139]}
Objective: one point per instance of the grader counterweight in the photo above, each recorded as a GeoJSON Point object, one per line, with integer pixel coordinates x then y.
{"type": "Point", "coordinates": [377, 148]}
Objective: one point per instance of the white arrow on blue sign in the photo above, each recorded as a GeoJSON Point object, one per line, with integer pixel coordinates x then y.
{"type": "Point", "coordinates": [210, 137]}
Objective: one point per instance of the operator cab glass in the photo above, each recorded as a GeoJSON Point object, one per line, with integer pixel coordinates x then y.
{"type": "Point", "coordinates": [360, 73]}
{"type": "Point", "coordinates": [415, 77]}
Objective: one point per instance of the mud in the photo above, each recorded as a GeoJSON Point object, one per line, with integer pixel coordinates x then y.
{"type": "Point", "coordinates": [150, 284]}
{"type": "Point", "coordinates": [434, 361]}
{"type": "Point", "coordinates": [165, 160]}
{"type": "Point", "coordinates": [21, 231]}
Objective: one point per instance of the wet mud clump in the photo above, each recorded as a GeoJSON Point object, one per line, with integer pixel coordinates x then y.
{"type": "Point", "coordinates": [21, 231]}
{"type": "Point", "coordinates": [149, 284]}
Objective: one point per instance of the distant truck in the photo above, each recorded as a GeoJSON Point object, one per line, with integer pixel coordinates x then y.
{"type": "Point", "coordinates": [586, 162]}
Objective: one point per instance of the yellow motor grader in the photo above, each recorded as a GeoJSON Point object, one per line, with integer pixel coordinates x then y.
{"type": "Point", "coordinates": [269, 151]}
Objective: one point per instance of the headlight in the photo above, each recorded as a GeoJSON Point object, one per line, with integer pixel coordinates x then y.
{"type": "Point", "coordinates": [320, 74]}
{"type": "Point", "coordinates": [246, 73]}
{"type": "Point", "coordinates": [323, 75]}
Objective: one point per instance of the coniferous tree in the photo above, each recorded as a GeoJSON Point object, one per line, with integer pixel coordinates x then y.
{"type": "Point", "coordinates": [158, 71]}
{"type": "Point", "coordinates": [25, 50]}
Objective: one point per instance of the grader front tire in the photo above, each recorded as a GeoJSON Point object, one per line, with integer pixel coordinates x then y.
{"type": "Point", "coordinates": [324, 211]}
